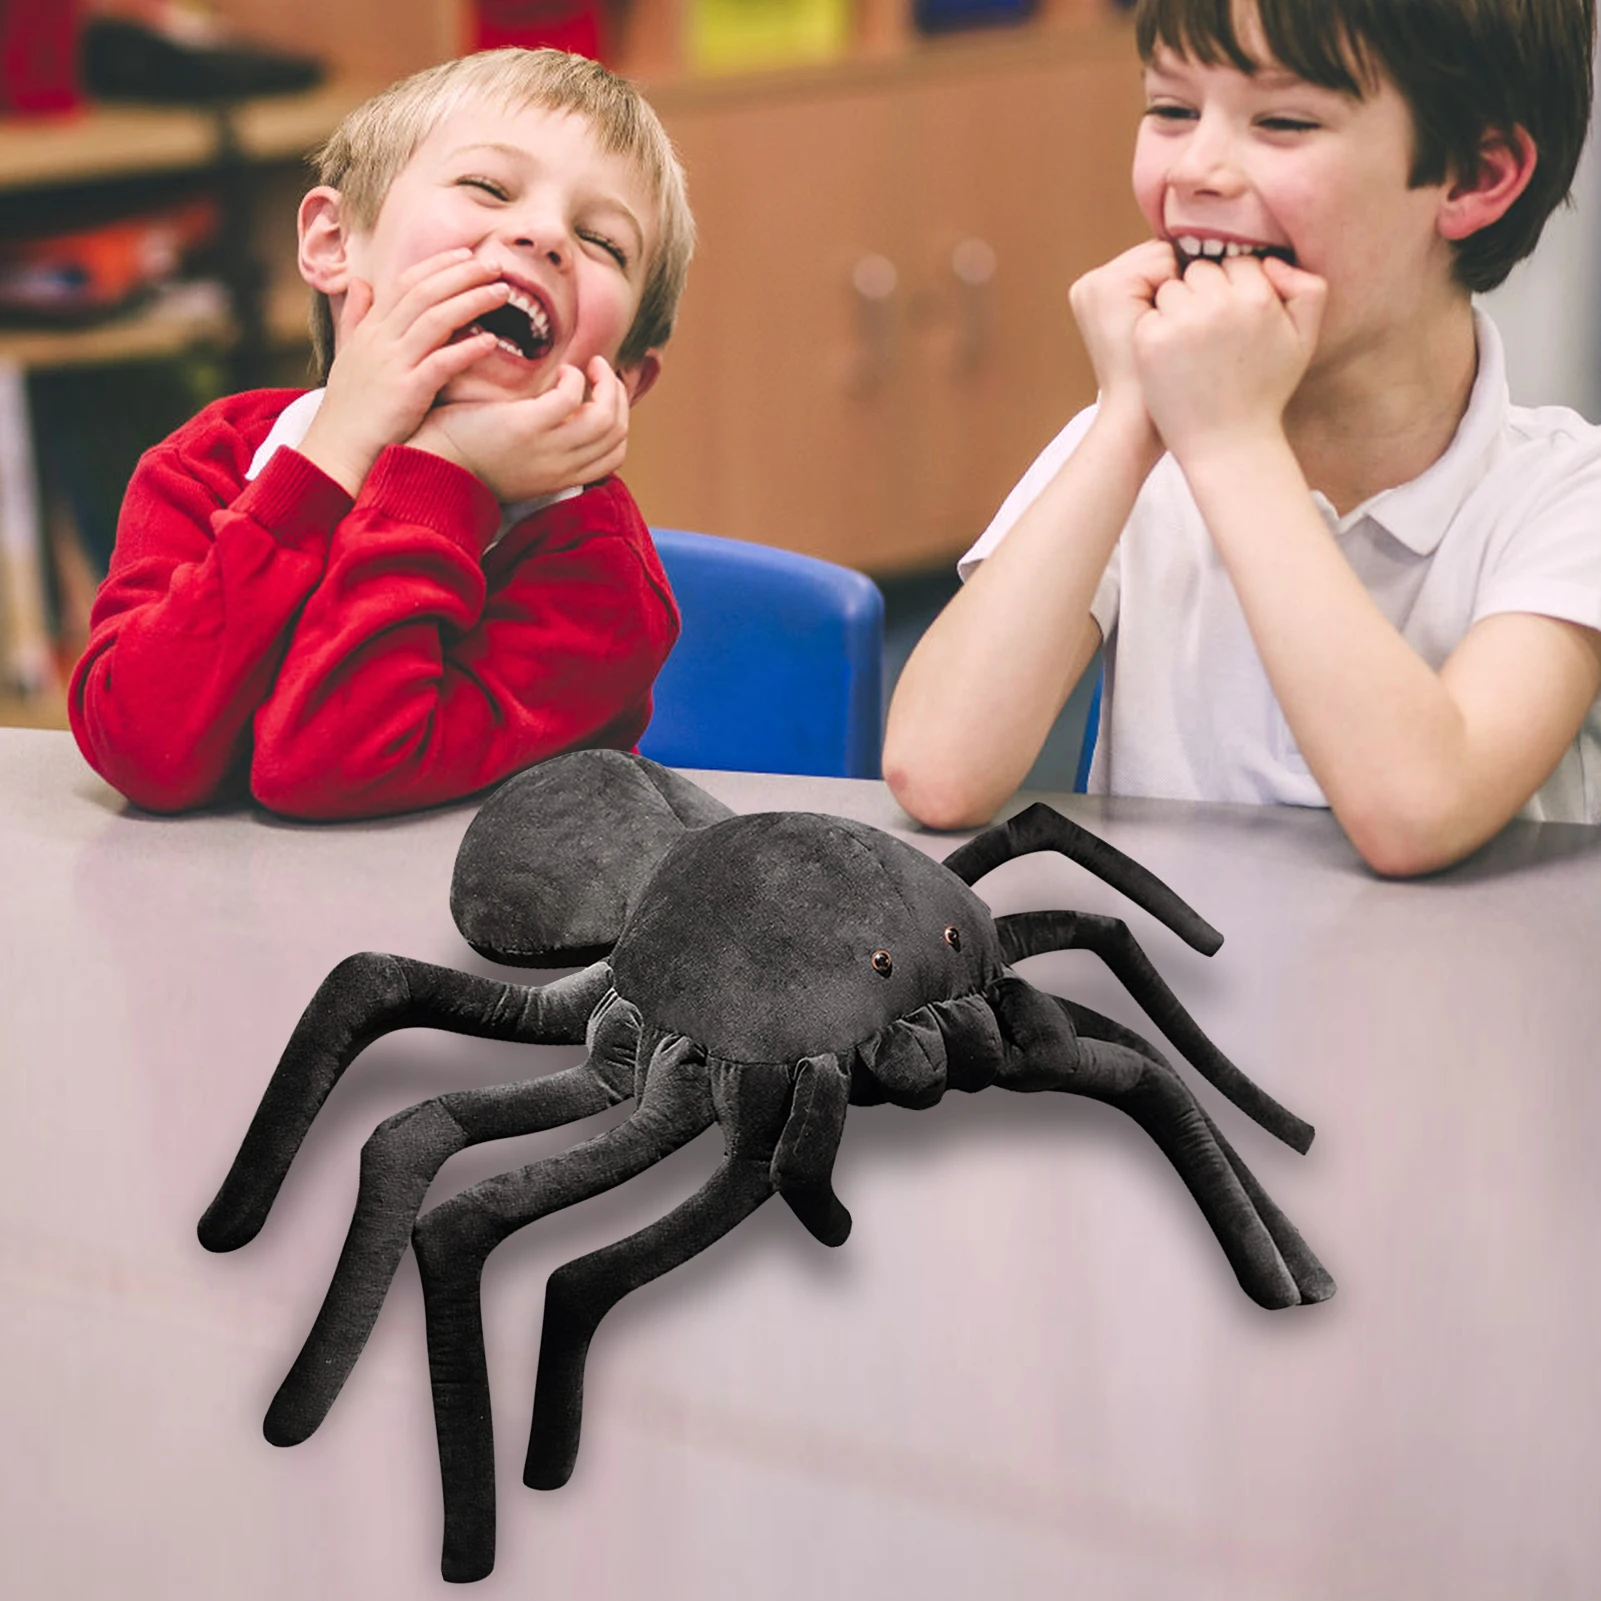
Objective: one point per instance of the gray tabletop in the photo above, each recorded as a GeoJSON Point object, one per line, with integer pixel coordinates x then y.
{"type": "Point", "coordinates": [1029, 1373]}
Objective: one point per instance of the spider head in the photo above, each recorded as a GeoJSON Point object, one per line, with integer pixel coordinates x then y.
{"type": "Point", "coordinates": [781, 935]}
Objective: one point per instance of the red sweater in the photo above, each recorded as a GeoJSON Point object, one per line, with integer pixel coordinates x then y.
{"type": "Point", "coordinates": [344, 660]}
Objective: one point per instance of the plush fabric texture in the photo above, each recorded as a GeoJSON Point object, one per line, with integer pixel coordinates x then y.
{"type": "Point", "coordinates": [548, 869]}
{"type": "Point", "coordinates": [761, 973]}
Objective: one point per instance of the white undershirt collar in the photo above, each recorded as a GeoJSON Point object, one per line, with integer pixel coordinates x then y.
{"type": "Point", "coordinates": [295, 419]}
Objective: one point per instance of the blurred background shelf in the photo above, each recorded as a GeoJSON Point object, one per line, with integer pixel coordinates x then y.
{"type": "Point", "coordinates": [107, 141]}
{"type": "Point", "coordinates": [179, 318]}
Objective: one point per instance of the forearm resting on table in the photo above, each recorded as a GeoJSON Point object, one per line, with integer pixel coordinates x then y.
{"type": "Point", "coordinates": [1420, 767]}
{"type": "Point", "coordinates": [978, 695]}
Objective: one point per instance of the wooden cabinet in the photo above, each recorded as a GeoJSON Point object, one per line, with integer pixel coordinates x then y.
{"type": "Point", "coordinates": [778, 417]}
{"type": "Point", "coordinates": [876, 337]}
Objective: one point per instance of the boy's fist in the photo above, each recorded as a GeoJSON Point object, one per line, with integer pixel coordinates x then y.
{"type": "Point", "coordinates": [395, 351]}
{"type": "Point", "coordinates": [1107, 304]}
{"type": "Point", "coordinates": [573, 433]}
{"type": "Point", "coordinates": [1225, 348]}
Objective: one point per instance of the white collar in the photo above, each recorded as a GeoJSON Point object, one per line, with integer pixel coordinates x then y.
{"type": "Point", "coordinates": [295, 419]}
{"type": "Point", "coordinates": [1418, 512]}
{"type": "Point", "coordinates": [289, 430]}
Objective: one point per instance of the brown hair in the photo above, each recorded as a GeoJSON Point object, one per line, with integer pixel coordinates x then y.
{"type": "Point", "coordinates": [373, 144]}
{"type": "Point", "coordinates": [1466, 68]}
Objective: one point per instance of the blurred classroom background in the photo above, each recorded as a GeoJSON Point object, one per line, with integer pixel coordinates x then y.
{"type": "Point", "coordinates": [893, 197]}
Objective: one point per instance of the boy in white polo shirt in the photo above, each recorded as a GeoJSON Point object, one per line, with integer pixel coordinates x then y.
{"type": "Point", "coordinates": [1331, 564]}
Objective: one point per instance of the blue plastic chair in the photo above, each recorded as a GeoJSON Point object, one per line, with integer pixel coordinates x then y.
{"type": "Point", "coordinates": [780, 665]}
{"type": "Point", "coordinates": [1092, 727]}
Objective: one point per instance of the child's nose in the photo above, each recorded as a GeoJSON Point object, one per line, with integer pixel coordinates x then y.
{"type": "Point", "coordinates": [542, 237]}
{"type": "Point", "coordinates": [1206, 164]}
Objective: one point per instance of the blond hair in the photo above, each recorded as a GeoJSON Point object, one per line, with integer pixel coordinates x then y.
{"type": "Point", "coordinates": [368, 150]}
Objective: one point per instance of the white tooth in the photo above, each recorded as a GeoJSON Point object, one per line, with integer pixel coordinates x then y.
{"type": "Point", "coordinates": [1189, 244]}
{"type": "Point", "coordinates": [530, 308]}
{"type": "Point", "coordinates": [1232, 249]}
{"type": "Point", "coordinates": [1212, 248]}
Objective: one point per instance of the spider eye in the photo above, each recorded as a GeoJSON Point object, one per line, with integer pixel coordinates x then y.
{"type": "Point", "coordinates": [883, 963]}
{"type": "Point", "coordinates": [953, 938]}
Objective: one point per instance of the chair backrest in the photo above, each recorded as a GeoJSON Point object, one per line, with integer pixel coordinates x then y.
{"type": "Point", "coordinates": [1092, 728]}
{"type": "Point", "coordinates": [779, 667]}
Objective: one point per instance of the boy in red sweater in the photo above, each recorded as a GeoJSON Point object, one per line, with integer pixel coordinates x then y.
{"type": "Point", "coordinates": [399, 588]}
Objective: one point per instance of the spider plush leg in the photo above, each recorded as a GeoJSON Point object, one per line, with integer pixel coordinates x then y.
{"type": "Point", "coordinates": [753, 1105]}
{"type": "Point", "coordinates": [1269, 1258]}
{"type": "Point", "coordinates": [398, 1164]}
{"type": "Point", "coordinates": [363, 998]}
{"type": "Point", "coordinates": [803, 1163]}
{"type": "Point", "coordinates": [1030, 933]}
{"type": "Point", "coordinates": [1041, 828]}
{"type": "Point", "coordinates": [1163, 1106]}
{"type": "Point", "coordinates": [580, 1294]}
{"type": "Point", "coordinates": [454, 1240]}
{"type": "Point", "coordinates": [1309, 1273]}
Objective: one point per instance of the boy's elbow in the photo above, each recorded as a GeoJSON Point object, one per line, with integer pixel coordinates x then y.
{"type": "Point", "coordinates": [936, 800]}
{"type": "Point", "coordinates": [158, 781]}
{"type": "Point", "coordinates": [328, 796]}
{"type": "Point", "coordinates": [1401, 840]}
{"type": "Point", "coordinates": [286, 783]}
{"type": "Point", "coordinates": [929, 764]}
{"type": "Point", "coordinates": [1396, 857]}
{"type": "Point", "coordinates": [162, 797]}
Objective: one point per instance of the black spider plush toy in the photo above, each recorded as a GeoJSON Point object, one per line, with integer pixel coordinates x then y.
{"type": "Point", "coordinates": [759, 972]}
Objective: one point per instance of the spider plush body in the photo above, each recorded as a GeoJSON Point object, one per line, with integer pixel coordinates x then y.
{"type": "Point", "coordinates": [758, 972]}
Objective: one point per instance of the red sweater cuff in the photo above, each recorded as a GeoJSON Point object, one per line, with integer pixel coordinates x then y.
{"type": "Point", "coordinates": [296, 502]}
{"type": "Point", "coordinates": [420, 488]}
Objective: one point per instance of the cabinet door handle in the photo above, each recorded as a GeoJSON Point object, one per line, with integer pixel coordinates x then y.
{"type": "Point", "coordinates": [973, 267]}
{"type": "Point", "coordinates": [874, 282]}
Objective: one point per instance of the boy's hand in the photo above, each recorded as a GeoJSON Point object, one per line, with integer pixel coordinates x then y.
{"type": "Point", "coordinates": [573, 433]}
{"type": "Point", "coordinates": [1225, 348]}
{"type": "Point", "coordinates": [394, 356]}
{"type": "Point", "coordinates": [1107, 304]}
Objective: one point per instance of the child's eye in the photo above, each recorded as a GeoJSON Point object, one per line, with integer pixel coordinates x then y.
{"type": "Point", "coordinates": [1167, 111]}
{"type": "Point", "coordinates": [610, 246]}
{"type": "Point", "coordinates": [488, 185]}
{"type": "Point", "coordinates": [1286, 124]}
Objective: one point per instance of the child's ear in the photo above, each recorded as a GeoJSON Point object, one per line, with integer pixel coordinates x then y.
{"type": "Point", "coordinates": [324, 241]}
{"type": "Point", "coordinates": [1472, 202]}
{"type": "Point", "coordinates": [641, 375]}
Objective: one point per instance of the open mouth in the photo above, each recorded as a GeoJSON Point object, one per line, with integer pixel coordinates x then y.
{"type": "Point", "coordinates": [521, 327]}
{"type": "Point", "coordinates": [1188, 248]}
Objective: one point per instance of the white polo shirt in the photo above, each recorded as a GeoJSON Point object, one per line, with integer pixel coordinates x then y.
{"type": "Point", "coordinates": [1507, 520]}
